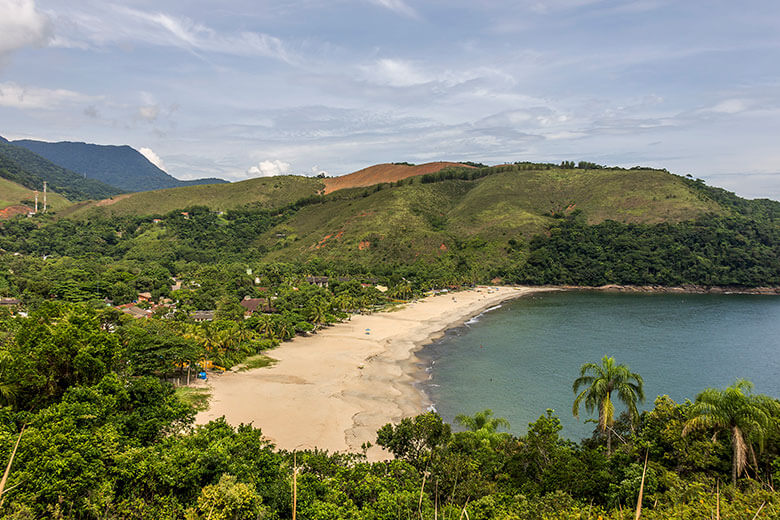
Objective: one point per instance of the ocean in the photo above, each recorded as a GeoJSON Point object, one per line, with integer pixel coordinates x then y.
{"type": "Point", "coordinates": [521, 358]}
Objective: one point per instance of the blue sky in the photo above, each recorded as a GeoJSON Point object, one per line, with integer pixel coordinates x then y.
{"type": "Point", "coordinates": [238, 89]}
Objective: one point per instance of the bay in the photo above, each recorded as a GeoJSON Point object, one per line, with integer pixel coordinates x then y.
{"type": "Point", "coordinates": [522, 358]}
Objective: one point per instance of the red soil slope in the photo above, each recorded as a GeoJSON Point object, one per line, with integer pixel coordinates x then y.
{"type": "Point", "coordinates": [383, 173]}
{"type": "Point", "coordinates": [12, 211]}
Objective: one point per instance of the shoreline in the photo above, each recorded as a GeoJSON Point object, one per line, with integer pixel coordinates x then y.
{"type": "Point", "coordinates": [679, 289]}
{"type": "Point", "coordinates": [334, 389]}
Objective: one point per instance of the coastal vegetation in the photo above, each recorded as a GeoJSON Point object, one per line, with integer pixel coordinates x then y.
{"type": "Point", "coordinates": [103, 434]}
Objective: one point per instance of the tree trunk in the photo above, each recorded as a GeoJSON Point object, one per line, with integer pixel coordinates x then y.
{"type": "Point", "coordinates": [609, 442]}
{"type": "Point", "coordinates": [734, 466]}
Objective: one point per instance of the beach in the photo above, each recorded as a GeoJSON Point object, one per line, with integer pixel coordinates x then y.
{"type": "Point", "coordinates": [334, 389]}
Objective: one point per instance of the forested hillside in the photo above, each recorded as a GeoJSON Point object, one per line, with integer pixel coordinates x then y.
{"type": "Point", "coordinates": [521, 223]}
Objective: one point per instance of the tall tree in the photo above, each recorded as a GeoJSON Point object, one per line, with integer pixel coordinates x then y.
{"type": "Point", "coordinates": [747, 418]}
{"type": "Point", "coordinates": [600, 381]}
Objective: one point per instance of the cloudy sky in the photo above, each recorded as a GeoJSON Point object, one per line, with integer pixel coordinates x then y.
{"type": "Point", "coordinates": [243, 88]}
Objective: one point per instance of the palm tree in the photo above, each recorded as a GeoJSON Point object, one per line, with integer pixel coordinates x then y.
{"type": "Point", "coordinates": [745, 416]}
{"type": "Point", "coordinates": [265, 326]}
{"type": "Point", "coordinates": [483, 420]}
{"type": "Point", "coordinates": [601, 381]}
{"type": "Point", "coordinates": [316, 313]}
{"type": "Point", "coordinates": [484, 426]}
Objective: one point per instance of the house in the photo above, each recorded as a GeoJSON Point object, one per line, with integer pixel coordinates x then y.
{"type": "Point", "coordinates": [322, 281]}
{"type": "Point", "coordinates": [202, 315]}
{"type": "Point", "coordinates": [9, 302]}
{"type": "Point", "coordinates": [251, 305]}
{"type": "Point", "coordinates": [145, 297]}
{"type": "Point", "coordinates": [157, 220]}
{"type": "Point", "coordinates": [136, 312]}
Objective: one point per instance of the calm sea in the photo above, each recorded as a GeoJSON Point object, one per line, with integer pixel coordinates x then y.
{"type": "Point", "coordinates": [522, 358]}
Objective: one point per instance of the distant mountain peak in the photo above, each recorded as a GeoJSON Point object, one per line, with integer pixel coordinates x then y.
{"type": "Point", "coordinates": [118, 165]}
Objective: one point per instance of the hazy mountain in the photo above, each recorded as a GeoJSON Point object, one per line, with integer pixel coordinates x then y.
{"type": "Point", "coordinates": [24, 167]}
{"type": "Point", "coordinates": [120, 166]}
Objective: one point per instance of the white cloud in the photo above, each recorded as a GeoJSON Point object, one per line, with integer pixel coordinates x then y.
{"type": "Point", "coordinates": [396, 73]}
{"type": "Point", "coordinates": [269, 169]}
{"type": "Point", "coordinates": [153, 158]}
{"type": "Point", "coordinates": [149, 112]}
{"type": "Point", "coordinates": [21, 25]}
{"type": "Point", "coordinates": [17, 96]}
{"type": "Point", "coordinates": [113, 24]}
{"type": "Point", "coordinates": [316, 170]}
{"type": "Point", "coordinates": [729, 106]}
{"type": "Point", "coordinates": [399, 6]}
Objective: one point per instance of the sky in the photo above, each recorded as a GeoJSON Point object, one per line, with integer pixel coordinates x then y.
{"type": "Point", "coordinates": [246, 88]}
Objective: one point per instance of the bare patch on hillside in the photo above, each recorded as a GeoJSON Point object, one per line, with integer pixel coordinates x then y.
{"type": "Point", "coordinates": [12, 211]}
{"type": "Point", "coordinates": [112, 200]}
{"type": "Point", "coordinates": [384, 173]}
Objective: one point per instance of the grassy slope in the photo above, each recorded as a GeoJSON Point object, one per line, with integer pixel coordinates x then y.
{"type": "Point", "coordinates": [267, 192]}
{"type": "Point", "coordinates": [12, 194]}
{"type": "Point", "coordinates": [409, 222]}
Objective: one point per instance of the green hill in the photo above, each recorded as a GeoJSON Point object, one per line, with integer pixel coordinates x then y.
{"type": "Point", "coordinates": [419, 219]}
{"type": "Point", "coordinates": [525, 223]}
{"type": "Point", "coordinates": [120, 166]}
{"type": "Point", "coordinates": [13, 194]}
{"type": "Point", "coordinates": [24, 167]}
{"type": "Point", "coordinates": [266, 192]}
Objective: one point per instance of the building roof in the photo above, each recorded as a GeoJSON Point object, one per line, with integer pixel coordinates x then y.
{"type": "Point", "coordinates": [202, 315]}
{"type": "Point", "coordinates": [9, 301]}
{"type": "Point", "coordinates": [137, 312]}
{"type": "Point", "coordinates": [253, 304]}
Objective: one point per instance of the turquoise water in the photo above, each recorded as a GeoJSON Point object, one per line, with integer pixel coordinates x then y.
{"type": "Point", "coordinates": [522, 358]}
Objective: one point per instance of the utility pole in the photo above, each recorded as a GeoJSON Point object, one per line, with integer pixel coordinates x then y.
{"type": "Point", "coordinates": [295, 485]}
{"type": "Point", "coordinates": [36, 202]}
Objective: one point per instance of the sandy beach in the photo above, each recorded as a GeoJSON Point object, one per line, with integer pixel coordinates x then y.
{"type": "Point", "coordinates": [333, 390]}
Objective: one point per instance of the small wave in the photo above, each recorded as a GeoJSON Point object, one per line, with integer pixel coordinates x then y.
{"type": "Point", "coordinates": [476, 318]}
{"type": "Point", "coordinates": [432, 408]}
{"type": "Point", "coordinates": [434, 385]}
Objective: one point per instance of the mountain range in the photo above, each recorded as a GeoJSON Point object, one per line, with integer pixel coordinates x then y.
{"type": "Point", "coordinates": [120, 166]}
